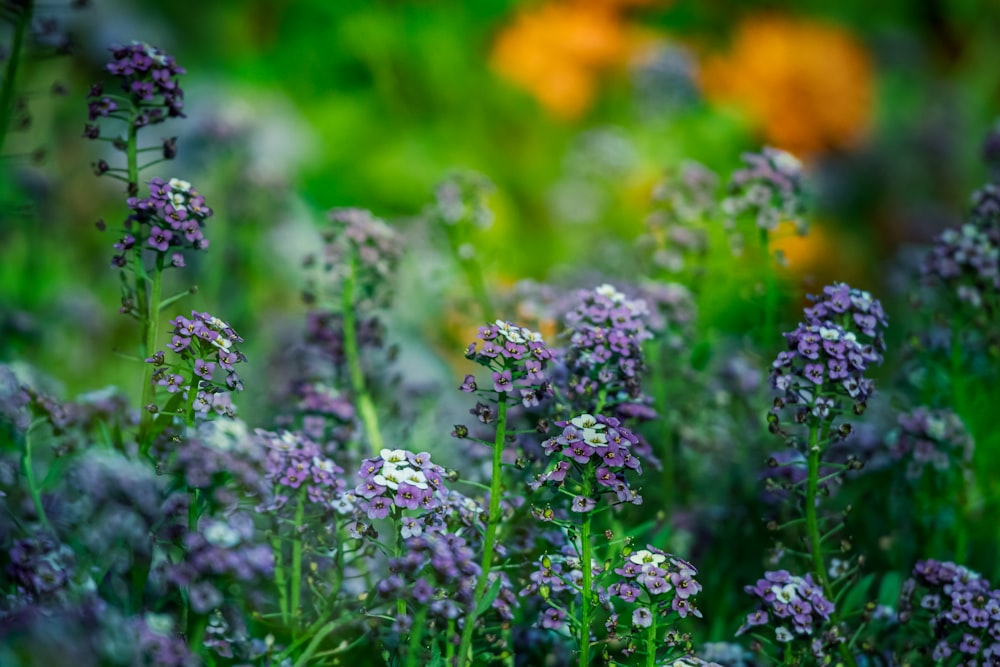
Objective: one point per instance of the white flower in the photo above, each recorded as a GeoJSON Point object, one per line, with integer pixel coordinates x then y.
{"type": "Point", "coordinates": [827, 333]}
{"type": "Point", "coordinates": [393, 455]}
{"type": "Point", "coordinates": [586, 421]}
{"type": "Point", "coordinates": [344, 504]}
{"type": "Point", "coordinates": [413, 477]}
{"type": "Point", "coordinates": [222, 342]}
{"type": "Point", "coordinates": [785, 160]}
{"type": "Point", "coordinates": [178, 184]}
{"type": "Point", "coordinates": [594, 437]}
{"type": "Point", "coordinates": [786, 593]}
{"type": "Point", "coordinates": [783, 635]}
{"type": "Point", "coordinates": [936, 428]}
{"type": "Point", "coordinates": [644, 556]}
{"type": "Point", "coordinates": [390, 476]}
{"type": "Point", "coordinates": [220, 535]}
{"type": "Point", "coordinates": [326, 465]}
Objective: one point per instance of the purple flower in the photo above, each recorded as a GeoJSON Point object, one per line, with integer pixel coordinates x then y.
{"type": "Point", "coordinates": [583, 504]}
{"type": "Point", "coordinates": [502, 381]}
{"type": "Point", "coordinates": [204, 369]}
{"type": "Point", "coordinates": [469, 384]}
{"type": "Point", "coordinates": [642, 618]}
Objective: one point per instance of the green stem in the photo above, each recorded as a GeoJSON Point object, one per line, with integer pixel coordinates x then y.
{"type": "Point", "coordinates": [416, 634]}
{"type": "Point", "coordinates": [958, 403]}
{"type": "Point", "coordinates": [586, 558]}
{"type": "Point", "coordinates": [812, 520]}
{"type": "Point", "coordinates": [10, 73]}
{"type": "Point", "coordinates": [812, 529]}
{"type": "Point", "coordinates": [361, 396]}
{"type": "Point", "coordinates": [29, 475]}
{"type": "Point", "coordinates": [397, 517]}
{"type": "Point", "coordinates": [474, 274]}
{"type": "Point", "coordinates": [297, 560]}
{"type": "Point", "coordinates": [770, 291]}
{"type": "Point", "coordinates": [492, 522]}
{"type": "Point", "coordinates": [314, 644]}
{"type": "Point", "coordinates": [449, 648]}
{"type": "Point", "coordinates": [651, 642]}
{"type": "Point", "coordinates": [279, 578]}
{"type": "Point", "coordinates": [148, 303]}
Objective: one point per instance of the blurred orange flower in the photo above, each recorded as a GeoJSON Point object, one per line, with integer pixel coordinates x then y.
{"type": "Point", "coordinates": [556, 51]}
{"type": "Point", "coordinates": [808, 85]}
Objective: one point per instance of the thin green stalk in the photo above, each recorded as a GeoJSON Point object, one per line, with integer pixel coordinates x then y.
{"type": "Point", "coordinates": [397, 516]}
{"type": "Point", "coordinates": [449, 647]}
{"type": "Point", "coordinates": [361, 396]}
{"type": "Point", "coordinates": [29, 475]}
{"type": "Point", "coordinates": [10, 72]}
{"type": "Point", "coordinates": [492, 522]}
{"type": "Point", "coordinates": [416, 634]}
{"type": "Point", "coordinates": [474, 274]}
{"type": "Point", "coordinates": [296, 596]}
{"type": "Point", "coordinates": [586, 558]}
{"type": "Point", "coordinates": [314, 644]}
{"type": "Point", "coordinates": [651, 642]}
{"type": "Point", "coordinates": [812, 529]}
{"type": "Point", "coordinates": [958, 403]}
{"type": "Point", "coordinates": [279, 578]}
{"type": "Point", "coordinates": [770, 291]}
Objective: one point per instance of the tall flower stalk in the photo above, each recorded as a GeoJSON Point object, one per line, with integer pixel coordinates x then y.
{"type": "Point", "coordinates": [822, 372]}
{"type": "Point", "coordinates": [171, 216]}
{"type": "Point", "coordinates": [358, 262]}
{"type": "Point", "coordinates": [516, 358]}
{"type": "Point", "coordinates": [460, 210]}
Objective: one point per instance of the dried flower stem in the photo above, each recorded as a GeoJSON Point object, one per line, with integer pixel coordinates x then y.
{"type": "Point", "coordinates": [492, 522]}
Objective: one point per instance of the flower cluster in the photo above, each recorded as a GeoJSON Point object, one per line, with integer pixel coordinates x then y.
{"type": "Point", "coordinates": [796, 608]}
{"type": "Point", "coordinates": [557, 580]}
{"type": "Point", "coordinates": [517, 358]}
{"type": "Point", "coordinates": [148, 78]}
{"type": "Point", "coordinates": [296, 465]}
{"type": "Point", "coordinates": [966, 261]}
{"type": "Point", "coordinates": [959, 607]}
{"type": "Point", "coordinates": [771, 188]}
{"type": "Point", "coordinates": [364, 246]}
{"type": "Point", "coordinates": [598, 450]}
{"type": "Point", "coordinates": [169, 220]}
{"type": "Point", "coordinates": [606, 332]}
{"type": "Point", "coordinates": [658, 583]}
{"type": "Point", "coordinates": [461, 198]}
{"type": "Point", "coordinates": [829, 355]}
{"type": "Point", "coordinates": [40, 569]}
{"type": "Point", "coordinates": [218, 550]}
{"type": "Point", "coordinates": [439, 572]}
{"type": "Point", "coordinates": [205, 345]}
{"type": "Point", "coordinates": [680, 206]}
{"type": "Point", "coordinates": [853, 309]}
{"type": "Point", "coordinates": [400, 479]}
{"type": "Point", "coordinates": [985, 211]}
{"type": "Point", "coordinates": [931, 438]}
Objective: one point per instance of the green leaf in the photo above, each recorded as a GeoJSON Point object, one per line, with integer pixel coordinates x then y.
{"type": "Point", "coordinates": [857, 595]}
{"type": "Point", "coordinates": [488, 599]}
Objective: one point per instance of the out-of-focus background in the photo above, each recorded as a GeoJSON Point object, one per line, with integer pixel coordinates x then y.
{"type": "Point", "coordinates": [574, 108]}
